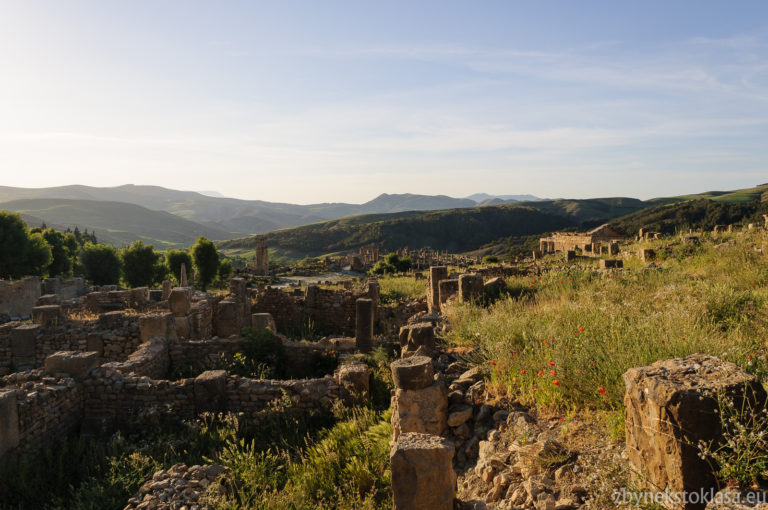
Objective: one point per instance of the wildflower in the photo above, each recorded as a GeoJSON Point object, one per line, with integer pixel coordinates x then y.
{"type": "Point", "coordinates": [570, 278]}
{"type": "Point", "coordinates": [561, 281]}
{"type": "Point", "coordinates": [562, 419]}
{"type": "Point", "coordinates": [551, 363]}
{"type": "Point", "coordinates": [575, 334]}
{"type": "Point", "coordinates": [498, 372]}
{"type": "Point", "coordinates": [540, 373]}
{"type": "Point", "coordinates": [333, 351]}
{"type": "Point", "coordinates": [556, 382]}
{"type": "Point", "coordinates": [578, 370]}
{"type": "Point", "coordinates": [523, 371]}
{"type": "Point", "coordinates": [581, 330]}
{"type": "Point", "coordinates": [552, 373]}
{"type": "Point", "coordinates": [534, 280]}
{"type": "Point", "coordinates": [601, 390]}
{"type": "Point", "coordinates": [493, 363]}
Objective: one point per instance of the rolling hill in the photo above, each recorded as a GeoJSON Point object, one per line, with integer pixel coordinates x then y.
{"type": "Point", "coordinates": [456, 230]}
{"type": "Point", "coordinates": [115, 223]}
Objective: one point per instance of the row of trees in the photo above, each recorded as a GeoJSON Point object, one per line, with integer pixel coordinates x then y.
{"type": "Point", "coordinates": [48, 252]}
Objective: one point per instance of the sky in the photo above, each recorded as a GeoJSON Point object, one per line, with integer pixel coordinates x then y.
{"type": "Point", "coordinates": [307, 101]}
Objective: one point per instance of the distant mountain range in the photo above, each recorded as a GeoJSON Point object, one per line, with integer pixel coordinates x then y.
{"type": "Point", "coordinates": [188, 214]}
{"type": "Point", "coordinates": [171, 218]}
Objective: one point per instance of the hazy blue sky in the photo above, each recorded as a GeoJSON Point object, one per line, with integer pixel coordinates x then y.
{"type": "Point", "coordinates": [340, 101]}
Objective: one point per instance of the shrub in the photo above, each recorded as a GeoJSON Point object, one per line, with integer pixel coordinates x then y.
{"type": "Point", "coordinates": [490, 259]}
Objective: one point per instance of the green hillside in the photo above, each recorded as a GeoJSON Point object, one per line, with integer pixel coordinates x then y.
{"type": "Point", "coordinates": [455, 230]}
{"type": "Point", "coordinates": [114, 222]}
{"type": "Point", "coordinates": [737, 196]}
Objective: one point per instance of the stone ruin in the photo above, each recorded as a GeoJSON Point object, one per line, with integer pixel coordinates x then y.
{"type": "Point", "coordinates": [83, 365]}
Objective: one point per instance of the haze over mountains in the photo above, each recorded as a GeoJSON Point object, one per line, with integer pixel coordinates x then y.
{"type": "Point", "coordinates": [168, 217]}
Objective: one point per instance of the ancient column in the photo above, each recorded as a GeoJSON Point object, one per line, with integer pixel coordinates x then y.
{"type": "Point", "coordinates": [436, 273]}
{"type": "Point", "coordinates": [183, 276]}
{"type": "Point", "coordinates": [364, 324]}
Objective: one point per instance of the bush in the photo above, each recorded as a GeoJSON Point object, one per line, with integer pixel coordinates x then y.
{"type": "Point", "coordinates": [490, 259]}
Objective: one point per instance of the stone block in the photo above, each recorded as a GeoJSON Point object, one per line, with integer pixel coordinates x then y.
{"type": "Point", "coordinates": [211, 391]}
{"type": "Point", "coordinates": [9, 421]}
{"type": "Point", "coordinates": [139, 296]}
{"type": "Point", "coordinates": [470, 287]}
{"type": "Point", "coordinates": [157, 325]}
{"type": "Point", "coordinates": [155, 295]}
{"type": "Point", "coordinates": [415, 336]}
{"type": "Point", "coordinates": [611, 263]}
{"type": "Point", "coordinates": [237, 287]}
{"type": "Point", "coordinates": [263, 321]}
{"type": "Point", "coordinates": [47, 315]}
{"type": "Point", "coordinates": [670, 407]}
{"type": "Point", "coordinates": [23, 341]}
{"type": "Point", "coordinates": [447, 290]}
{"type": "Point", "coordinates": [413, 373]}
{"type": "Point", "coordinates": [182, 327]}
{"type": "Point", "coordinates": [52, 285]}
{"type": "Point", "coordinates": [424, 410]}
{"type": "Point", "coordinates": [180, 301]}
{"type": "Point", "coordinates": [422, 473]}
{"type": "Point", "coordinates": [228, 319]}
{"type": "Point", "coordinates": [364, 324]}
{"type": "Point", "coordinates": [76, 364]}
{"type": "Point", "coordinates": [354, 382]}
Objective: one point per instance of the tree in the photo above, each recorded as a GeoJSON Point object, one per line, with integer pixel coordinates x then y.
{"type": "Point", "coordinates": [61, 263]}
{"type": "Point", "coordinates": [139, 264]}
{"type": "Point", "coordinates": [100, 264]}
{"type": "Point", "coordinates": [14, 242]}
{"type": "Point", "coordinates": [38, 256]}
{"type": "Point", "coordinates": [225, 270]}
{"type": "Point", "coordinates": [206, 260]}
{"type": "Point", "coordinates": [173, 261]}
{"type": "Point", "coordinates": [490, 259]}
{"type": "Point", "coordinates": [391, 264]}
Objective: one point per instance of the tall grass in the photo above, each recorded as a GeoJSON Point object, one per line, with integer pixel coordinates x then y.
{"type": "Point", "coordinates": [395, 288]}
{"type": "Point", "coordinates": [567, 340]}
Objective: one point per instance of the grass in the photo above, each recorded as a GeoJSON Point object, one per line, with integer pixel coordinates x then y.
{"type": "Point", "coordinates": [396, 288]}
{"type": "Point", "coordinates": [565, 342]}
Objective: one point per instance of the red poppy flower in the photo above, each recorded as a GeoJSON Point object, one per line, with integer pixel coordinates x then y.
{"type": "Point", "coordinates": [601, 390]}
{"type": "Point", "coordinates": [333, 352]}
{"type": "Point", "coordinates": [556, 382]}
{"type": "Point", "coordinates": [540, 373]}
{"type": "Point", "coordinates": [581, 330]}
{"type": "Point", "coordinates": [551, 363]}
{"type": "Point", "coordinates": [493, 363]}
{"type": "Point", "coordinates": [578, 370]}
{"type": "Point", "coordinates": [523, 371]}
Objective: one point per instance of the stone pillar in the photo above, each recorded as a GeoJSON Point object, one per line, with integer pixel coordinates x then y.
{"type": "Point", "coordinates": [364, 324]}
{"type": "Point", "coordinates": [470, 287]}
{"type": "Point", "coordinates": [229, 321]}
{"type": "Point", "coordinates": [310, 295]}
{"type": "Point", "coordinates": [166, 289]}
{"type": "Point", "coordinates": [422, 473]}
{"type": "Point", "coordinates": [23, 341]}
{"type": "Point", "coordinates": [765, 218]}
{"type": "Point", "coordinates": [670, 407]}
{"type": "Point", "coordinates": [261, 260]}
{"type": "Point", "coordinates": [9, 421]}
{"type": "Point", "coordinates": [436, 273]}
{"type": "Point", "coordinates": [420, 404]}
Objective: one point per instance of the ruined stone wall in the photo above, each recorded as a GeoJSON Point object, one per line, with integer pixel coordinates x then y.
{"type": "Point", "coordinates": [47, 408]}
{"type": "Point", "coordinates": [251, 396]}
{"type": "Point", "coordinates": [151, 359]}
{"type": "Point", "coordinates": [196, 354]}
{"type": "Point", "coordinates": [329, 310]}
{"type": "Point", "coordinates": [18, 297]}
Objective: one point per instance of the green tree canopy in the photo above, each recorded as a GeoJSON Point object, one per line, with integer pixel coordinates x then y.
{"type": "Point", "coordinates": [14, 241]}
{"type": "Point", "coordinates": [206, 260]}
{"type": "Point", "coordinates": [225, 270]}
{"type": "Point", "coordinates": [173, 261]}
{"type": "Point", "coordinates": [38, 255]}
{"type": "Point", "coordinates": [139, 264]}
{"type": "Point", "coordinates": [61, 262]}
{"type": "Point", "coordinates": [100, 264]}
